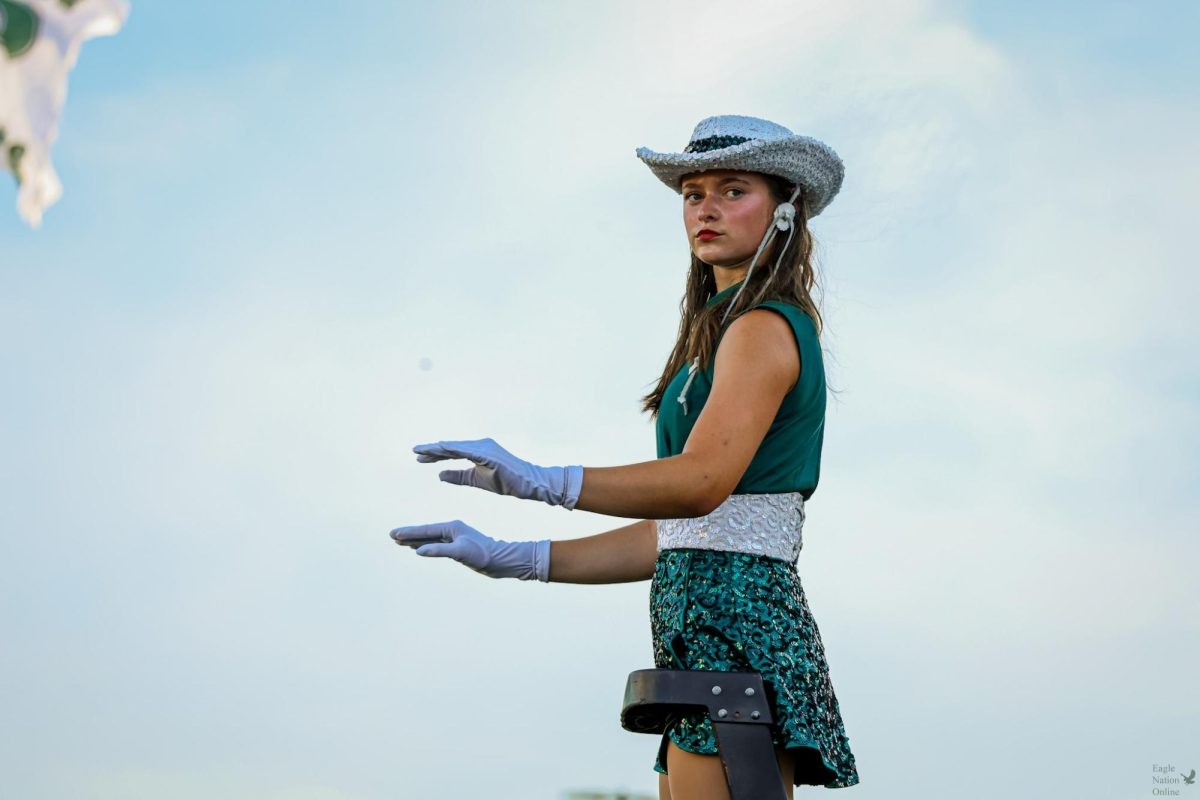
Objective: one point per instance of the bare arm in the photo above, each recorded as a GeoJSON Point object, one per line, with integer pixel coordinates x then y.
{"type": "Point", "coordinates": [756, 364]}
{"type": "Point", "coordinates": [621, 555]}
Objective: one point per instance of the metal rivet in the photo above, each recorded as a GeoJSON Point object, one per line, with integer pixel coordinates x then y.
{"type": "Point", "coordinates": [749, 691]}
{"type": "Point", "coordinates": [754, 715]}
{"type": "Point", "coordinates": [716, 690]}
{"type": "Point", "coordinates": [722, 713]}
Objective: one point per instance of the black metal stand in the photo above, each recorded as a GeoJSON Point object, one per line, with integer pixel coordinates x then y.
{"type": "Point", "coordinates": [736, 702]}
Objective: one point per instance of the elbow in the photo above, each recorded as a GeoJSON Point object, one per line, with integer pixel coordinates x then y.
{"type": "Point", "coordinates": [705, 502]}
{"type": "Point", "coordinates": [708, 486]}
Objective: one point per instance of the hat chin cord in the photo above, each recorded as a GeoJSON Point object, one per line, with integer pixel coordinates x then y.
{"type": "Point", "coordinates": [784, 219]}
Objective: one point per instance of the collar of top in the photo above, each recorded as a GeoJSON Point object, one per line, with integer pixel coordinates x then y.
{"type": "Point", "coordinates": [720, 296]}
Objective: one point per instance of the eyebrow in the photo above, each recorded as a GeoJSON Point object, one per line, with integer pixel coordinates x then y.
{"type": "Point", "coordinates": [722, 182]}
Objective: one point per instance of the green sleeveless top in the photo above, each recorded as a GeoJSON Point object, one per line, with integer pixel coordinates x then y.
{"type": "Point", "coordinates": [789, 458]}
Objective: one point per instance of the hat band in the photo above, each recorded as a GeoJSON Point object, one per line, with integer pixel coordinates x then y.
{"type": "Point", "coordinates": [713, 143]}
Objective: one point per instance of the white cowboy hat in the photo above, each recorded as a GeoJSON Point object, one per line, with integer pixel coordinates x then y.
{"type": "Point", "coordinates": [750, 144]}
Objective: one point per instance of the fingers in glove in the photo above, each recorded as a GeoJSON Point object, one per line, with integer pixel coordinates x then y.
{"type": "Point", "coordinates": [418, 535]}
{"type": "Point", "coordinates": [459, 477]}
{"type": "Point", "coordinates": [479, 477]}
{"type": "Point", "coordinates": [437, 549]}
{"type": "Point", "coordinates": [478, 450]}
{"type": "Point", "coordinates": [434, 451]}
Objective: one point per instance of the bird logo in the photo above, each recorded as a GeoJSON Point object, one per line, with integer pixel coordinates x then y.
{"type": "Point", "coordinates": [1188, 780]}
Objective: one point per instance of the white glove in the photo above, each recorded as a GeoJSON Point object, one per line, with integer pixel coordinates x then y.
{"type": "Point", "coordinates": [499, 471]}
{"type": "Point", "coordinates": [485, 555]}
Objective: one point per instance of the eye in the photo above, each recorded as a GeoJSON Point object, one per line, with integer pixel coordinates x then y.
{"type": "Point", "coordinates": [691, 197]}
{"type": "Point", "coordinates": [734, 192]}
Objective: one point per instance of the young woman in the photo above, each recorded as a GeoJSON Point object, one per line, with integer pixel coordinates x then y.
{"type": "Point", "coordinates": [740, 411]}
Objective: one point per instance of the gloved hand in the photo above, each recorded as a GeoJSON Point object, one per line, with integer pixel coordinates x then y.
{"type": "Point", "coordinates": [496, 559]}
{"type": "Point", "coordinates": [499, 471]}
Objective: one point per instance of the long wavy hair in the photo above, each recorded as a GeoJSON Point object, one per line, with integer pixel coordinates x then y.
{"type": "Point", "coordinates": [793, 282]}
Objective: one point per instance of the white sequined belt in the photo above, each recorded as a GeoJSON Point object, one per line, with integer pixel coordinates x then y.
{"type": "Point", "coordinates": [759, 524]}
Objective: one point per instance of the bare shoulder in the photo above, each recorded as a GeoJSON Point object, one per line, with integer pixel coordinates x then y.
{"type": "Point", "coordinates": [764, 323]}
{"type": "Point", "coordinates": [760, 343]}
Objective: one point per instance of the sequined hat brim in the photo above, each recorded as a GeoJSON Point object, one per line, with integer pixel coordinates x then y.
{"type": "Point", "coordinates": [805, 161]}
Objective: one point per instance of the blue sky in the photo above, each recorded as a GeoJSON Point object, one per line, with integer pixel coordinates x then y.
{"type": "Point", "coordinates": [211, 358]}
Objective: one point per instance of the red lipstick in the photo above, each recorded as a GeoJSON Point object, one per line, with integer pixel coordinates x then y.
{"type": "Point", "coordinates": [707, 235]}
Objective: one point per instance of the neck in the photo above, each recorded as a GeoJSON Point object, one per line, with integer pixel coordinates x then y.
{"type": "Point", "coordinates": [728, 276]}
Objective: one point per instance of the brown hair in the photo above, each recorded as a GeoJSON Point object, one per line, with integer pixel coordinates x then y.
{"type": "Point", "coordinates": [700, 327]}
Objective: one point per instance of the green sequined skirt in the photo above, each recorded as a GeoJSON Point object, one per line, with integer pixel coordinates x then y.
{"type": "Point", "coordinates": [736, 612]}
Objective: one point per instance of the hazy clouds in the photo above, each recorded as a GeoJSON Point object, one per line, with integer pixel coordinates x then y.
{"type": "Point", "coordinates": [213, 379]}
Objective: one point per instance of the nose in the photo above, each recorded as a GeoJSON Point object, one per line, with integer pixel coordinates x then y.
{"type": "Point", "coordinates": [706, 209]}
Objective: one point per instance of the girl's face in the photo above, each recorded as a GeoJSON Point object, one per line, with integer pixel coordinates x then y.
{"type": "Point", "coordinates": [726, 214]}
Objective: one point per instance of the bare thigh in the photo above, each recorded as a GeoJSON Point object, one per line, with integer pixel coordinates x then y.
{"type": "Point", "coordinates": [696, 777]}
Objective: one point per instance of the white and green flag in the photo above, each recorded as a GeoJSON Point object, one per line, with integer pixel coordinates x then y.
{"type": "Point", "coordinates": [39, 43]}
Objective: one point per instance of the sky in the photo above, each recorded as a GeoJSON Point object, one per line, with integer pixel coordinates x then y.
{"type": "Point", "coordinates": [297, 240]}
